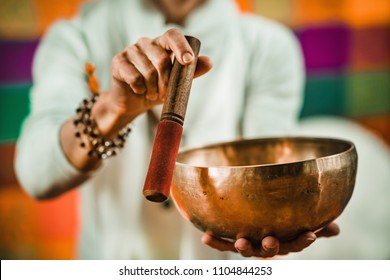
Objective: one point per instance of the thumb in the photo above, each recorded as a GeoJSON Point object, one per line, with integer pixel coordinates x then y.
{"type": "Point", "coordinates": [203, 66]}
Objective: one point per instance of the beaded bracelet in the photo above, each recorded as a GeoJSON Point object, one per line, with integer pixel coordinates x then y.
{"type": "Point", "coordinates": [87, 127]}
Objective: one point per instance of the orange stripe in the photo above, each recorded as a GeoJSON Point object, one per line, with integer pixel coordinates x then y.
{"type": "Point", "coordinates": [357, 13]}
{"type": "Point", "coordinates": [246, 5]}
{"type": "Point", "coordinates": [37, 230]}
{"type": "Point", "coordinates": [363, 13]}
{"type": "Point", "coordinates": [48, 11]}
{"type": "Point", "coordinates": [379, 125]}
{"type": "Point", "coordinates": [7, 173]}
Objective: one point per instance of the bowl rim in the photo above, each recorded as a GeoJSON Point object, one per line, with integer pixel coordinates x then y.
{"type": "Point", "coordinates": [295, 138]}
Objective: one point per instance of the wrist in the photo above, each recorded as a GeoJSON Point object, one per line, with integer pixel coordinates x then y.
{"type": "Point", "coordinates": [101, 127]}
{"type": "Point", "coordinates": [91, 137]}
{"type": "Point", "coordinates": [109, 117]}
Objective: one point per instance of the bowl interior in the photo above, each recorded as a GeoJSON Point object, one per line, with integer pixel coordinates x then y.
{"type": "Point", "coordinates": [263, 152]}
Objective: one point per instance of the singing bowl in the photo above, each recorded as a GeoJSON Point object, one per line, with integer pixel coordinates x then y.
{"type": "Point", "coordinates": [255, 188]}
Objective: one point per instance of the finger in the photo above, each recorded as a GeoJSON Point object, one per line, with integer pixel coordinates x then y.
{"type": "Point", "coordinates": [269, 247]}
{"type": "Point", "coordinates": [125, 72]}
{"type": "Point", "coordinates": [146, 68]}
{"type": "Point", "coordinates": [330, 230]}
{"type": "Point", "coordinates": [203, 66]}
{"type": "Point", "coordinates": [297, 245]}
{"type": "Point", "coordinates": [174, 40]}
{"type": "Point", "coordinates": [219, 244]}
{"type": "Point", "coordinates": [244, 247]}
{"type": "Point", "coordinates": [161, 62]}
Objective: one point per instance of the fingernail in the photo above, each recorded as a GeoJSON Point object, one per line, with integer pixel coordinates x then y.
{"type": "Point", "coordinates": [242, 247]}
{"type": "Point", "coordinates": [311, 237]}
{"type": "Point", "coordinates": [206, 239]}
{"type": "Point", "coordinates": [270, 246]}
{"type": "Point", "coordinates": [187, 57]}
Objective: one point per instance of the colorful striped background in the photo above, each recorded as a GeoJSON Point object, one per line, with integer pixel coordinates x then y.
{"type": "Point", "coordinates": [346, 44]}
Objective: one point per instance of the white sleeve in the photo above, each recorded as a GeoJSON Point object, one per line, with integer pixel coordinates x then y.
{"type": "Point", "coordinates": [58, 87]}
{"type": "Point", "coordinates": [275, 86]}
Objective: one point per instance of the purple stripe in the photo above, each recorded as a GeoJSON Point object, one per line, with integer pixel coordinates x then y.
{"type": "Point", "coordinates": [16, 60]}
{"type": "Point", "coordinates": [325, 47]}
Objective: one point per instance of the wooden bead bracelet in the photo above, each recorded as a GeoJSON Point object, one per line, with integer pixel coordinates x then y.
{"type": "Point", "coordinates": [86, 127]}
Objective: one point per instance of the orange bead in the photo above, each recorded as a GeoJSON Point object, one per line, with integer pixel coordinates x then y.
{"type": "Point", "coordinates": [93, 83]}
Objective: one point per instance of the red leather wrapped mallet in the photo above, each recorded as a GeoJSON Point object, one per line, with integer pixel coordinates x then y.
{"type": "Point", "coordinates": [167, 142]}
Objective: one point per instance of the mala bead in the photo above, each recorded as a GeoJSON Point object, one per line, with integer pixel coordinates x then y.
{"type": "Point", "coordinates": [85, 125]}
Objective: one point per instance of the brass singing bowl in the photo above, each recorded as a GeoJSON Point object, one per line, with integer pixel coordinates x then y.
{"type": "Point", "coordinates": [255, 188]}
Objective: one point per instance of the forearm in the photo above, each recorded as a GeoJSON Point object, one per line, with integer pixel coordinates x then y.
{"type": "Point", "coordinates": [40, 164]}
{"type": "Point", "coordinates": [98, 121]}
{"type": "Point", "coordinates": [76, 145]}
{"type": "Point", "coordinates": [74, 152]}
{"type": "Point", "coordinates": [49, 159]}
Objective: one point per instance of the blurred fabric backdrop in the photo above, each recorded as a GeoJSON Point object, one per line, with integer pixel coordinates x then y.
{"type": "Point", "coordinates": [346, 44]}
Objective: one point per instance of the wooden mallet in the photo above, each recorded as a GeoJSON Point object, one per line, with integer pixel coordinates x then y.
{"type": "Point", "coordinates": [170, 128]}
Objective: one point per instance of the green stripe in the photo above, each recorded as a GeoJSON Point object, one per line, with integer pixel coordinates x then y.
{"type": "Point", "coordinates": [324, 95]}
{"type": "Point", "coordinates": [353, 95]}
{"type": "Point", "coordinates": [357, 95]}
{"type": "Point", "coordinates": [14, 107]}
{"type": "Point", "coordinates": [368, 94]}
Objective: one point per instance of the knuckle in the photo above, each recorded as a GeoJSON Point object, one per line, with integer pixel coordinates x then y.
{"type": "Point", "coordinates": [163, 62]}
{"type": "Point", "coordinates": [173, 32]}
{"type": "Point", "coordinates": [181, 46]}
{"type": "Point", "coordinates": [151, 74]}
{"type": "Point", "coordinates": [136, 80]}
{"type": "Point", "coordinates": [131, 50]}
{"type": "Point", "coordinates": [116, 63]}
{"type": "Point", "coordinates": [143, 41]}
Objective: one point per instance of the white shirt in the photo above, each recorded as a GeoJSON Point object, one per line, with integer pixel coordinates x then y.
{"type": "Point", "coordinates": [253, 90]}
